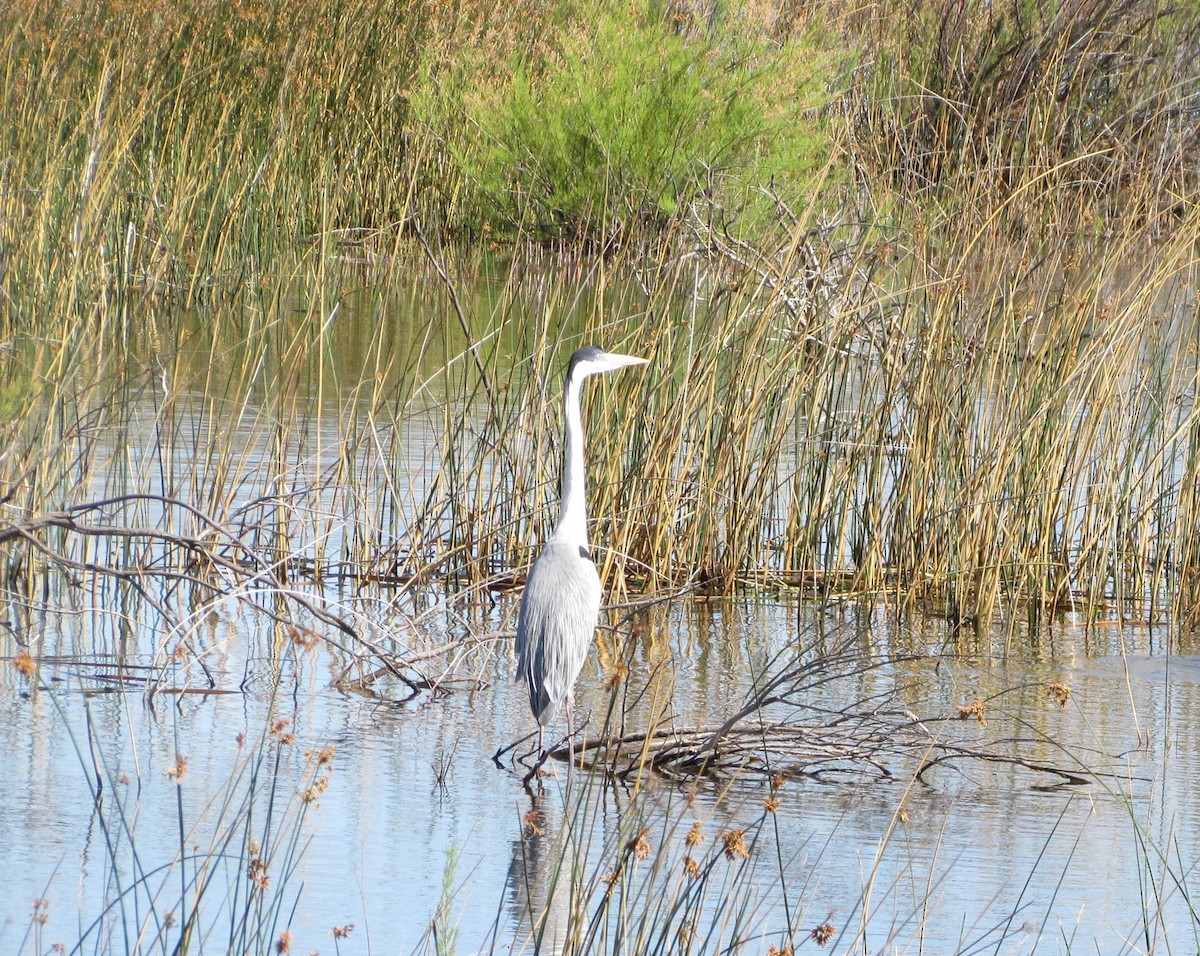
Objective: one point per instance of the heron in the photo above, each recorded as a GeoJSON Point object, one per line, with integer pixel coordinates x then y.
{"type": "Point", "coordinates": [561, 603]}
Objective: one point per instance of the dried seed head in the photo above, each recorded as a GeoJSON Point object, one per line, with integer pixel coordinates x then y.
{"type": "Point", "coordinates": [735, 844]}
{"type": "Point", "coordinates": [639, 846]}
{"type": "Point", "coordinates": [323, 757]}
{"type": "Point", "coordinates": [771, 804]}
{"type": "Point", "coordinates": [257, 871]}
{"type": "Point", "coordinates": [690, 866]}
{"type": "Point", "coordinates": [284, 943]}
{"type": "Point", "coordinates": [532, 822]}
{"type": "Point", "coordinates": [318, 788]}
{"type": "Point", "coordinates": [823, 933]}
{"type": "Point", "coordinates": [973, 711]}
{"type": "Point", "coordinates": [25, 665]}
{"type": "Point", "coordinates": [1060, 693]}
{"type": "Point", "coordinates": [694, 836]}
{"type": "Point", "coordinates": [342, 932]}
{"type": "Point", "coordinates": [179, 769]}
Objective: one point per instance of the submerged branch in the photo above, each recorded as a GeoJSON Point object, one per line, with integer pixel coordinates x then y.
{"type": "Point", "coordinates": [215, 561]}
{"type": "Point", "coordinates": [781, 732]}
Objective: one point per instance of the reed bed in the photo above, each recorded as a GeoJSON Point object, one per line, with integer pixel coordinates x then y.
{"type": "Point", "coordinates": [228, 885]}
{"type": "Point", "coordinates": [667, 877]}
{"type": "Point", "coordinates": [977, 398]}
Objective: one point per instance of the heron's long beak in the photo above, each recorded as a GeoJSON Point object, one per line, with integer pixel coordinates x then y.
{"type": "Point", "coordinates": [619, 360]}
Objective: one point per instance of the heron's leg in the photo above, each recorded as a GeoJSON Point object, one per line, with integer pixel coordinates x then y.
{"type": "Point", "coordinates": [570, 707]}
{"type": "Point", "coordinates": [541, 739]}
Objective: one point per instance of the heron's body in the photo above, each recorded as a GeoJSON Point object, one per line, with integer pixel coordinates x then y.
{"type": "Point", "coordinates": [561, 603]}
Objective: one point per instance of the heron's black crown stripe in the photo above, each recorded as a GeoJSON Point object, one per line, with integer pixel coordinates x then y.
{"type": "Point", "coordinates": [585, 553]}
{"type": "Point", "coordinates": [584, 354]}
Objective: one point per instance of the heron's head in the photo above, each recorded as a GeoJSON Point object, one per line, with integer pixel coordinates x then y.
{"type": "Point", "coordinates": [591, 360]}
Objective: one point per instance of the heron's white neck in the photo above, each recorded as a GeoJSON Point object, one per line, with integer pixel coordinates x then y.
{"type": "Point", "coordinates": [572, 516]}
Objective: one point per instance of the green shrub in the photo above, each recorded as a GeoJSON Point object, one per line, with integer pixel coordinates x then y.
{"type": "Point", "coordinates": [624, 122]}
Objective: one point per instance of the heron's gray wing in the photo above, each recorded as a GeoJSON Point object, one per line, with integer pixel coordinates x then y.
{"type": "Point", "coordinates": [558, 616]}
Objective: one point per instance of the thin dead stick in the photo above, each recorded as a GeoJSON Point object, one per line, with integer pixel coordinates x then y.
{"type": "Point", "coordinates": [472, 346]}
{"type": "Point", "coordinates": [254, 574]}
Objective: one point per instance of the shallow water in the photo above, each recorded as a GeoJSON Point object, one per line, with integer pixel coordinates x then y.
{"type": "Point", "coordinates": [412, 820]}
{"type": "Point", "coordinates": [416, 811]}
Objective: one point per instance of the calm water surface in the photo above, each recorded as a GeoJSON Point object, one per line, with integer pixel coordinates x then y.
{"type": "Point", "coordinates": [415, 812]}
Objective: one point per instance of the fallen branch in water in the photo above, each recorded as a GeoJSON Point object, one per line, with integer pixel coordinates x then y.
{"type": "Point", "coordinates": [869, 747]}
{"type": "Point", "coordinates": [213, 559]}
{"type": "Point", "coordinates": [781, 733]}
